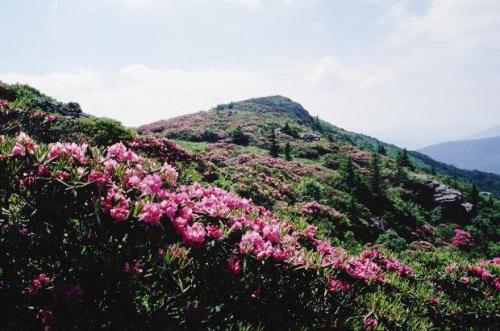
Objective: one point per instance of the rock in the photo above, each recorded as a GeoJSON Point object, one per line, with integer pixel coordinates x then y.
{"type": "Point", "coordinates": [378, 223]}
{"type": "Point", "coordinates": [309, 137]}
{"type": "Point", "coordinates": [454, 207]}
{"type": "Point", "coordinates": [71, 109]}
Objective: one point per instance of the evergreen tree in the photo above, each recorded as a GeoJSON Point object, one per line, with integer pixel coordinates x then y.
{"type": "Point", "coordinates": [381, 150]}
{"type": "Point", "coordinates": [347, 173]}
{"type": "Point", "coordinates": [375, 180]}
{"type": "Point", "coordinates": [288, 151]}
{"type": "Point", "coordinates": [239, 137]}
{"type": "Point", "coordinates": [473, 195]}
{"type": "Point", "coordinates": [274, 148]}
{"type": "Point", "coordinates": [317, 124]}
{"type": "Point", "coordinates": [400, 171]}
{"type": "Point", "coordinates": [405, 159]}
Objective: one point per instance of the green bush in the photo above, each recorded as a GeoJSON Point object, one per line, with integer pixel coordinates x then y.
{"type": "Point", "coordinates": [391, 240]}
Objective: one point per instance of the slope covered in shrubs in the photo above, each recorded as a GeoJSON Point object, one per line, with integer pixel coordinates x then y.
{"type": "Point", "coordinates": [107, 229]}
{"type": "Point", "coordinates": [98, 238]}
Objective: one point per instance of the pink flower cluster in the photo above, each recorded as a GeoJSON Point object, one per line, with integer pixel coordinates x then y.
{"type": "Point", "coordinates": [24, 145]}
{"type": "Point", "coordinates": [335, 285]}
{"type": "Point", "coordinates": [462, 239]}
{"type": "Point", "coordinates": [3, 102]}
{"type": "Point", "coordinates": [36, 285]}
{"type": "Point", "coordinates": [478, 270]}
{"type": "Point", "coordinates": [116, 205]}
{"type": "Point", "coordinates": [59, 150]}
{"type": "Point", "coordinates": [135, 267]}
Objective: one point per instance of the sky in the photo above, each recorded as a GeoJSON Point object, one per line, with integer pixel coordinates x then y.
{"type": "Point", "coordinates": [412, 72]}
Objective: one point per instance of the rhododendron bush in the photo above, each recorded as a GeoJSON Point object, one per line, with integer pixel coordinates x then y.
{"type": "Point", "coordinates": [107, 238]}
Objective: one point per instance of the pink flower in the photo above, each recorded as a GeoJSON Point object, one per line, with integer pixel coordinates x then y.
{"type": "Point", "coordinates": [338, 285]}
{"type": "Point", "coordinates": [169, 174]}
{"type": "Point", "coordinates": [369, 323]}
{"type": "Point", "coordinates": [18, 150]}
{"type": "Point", "coordinates": [310, 231]}
{"type": "Point", "coordinates": [50, 118]}
{"type": "Point", "coordinates": [151, 184]}
{"type": "Point", "coordinates": [120, 153]}
{"type": "Point", "coordinates": [169, 208]}
{"type": "Point", "coordinates": [23, 232]}
{"type": "Point", "coordinates": [120, 212]}
{"type": "Point", "coordinates": [451, 267]}
{"type": "Point", "coordinates": [272, 233]}
{"type": "Point", "coordinates": [464, 280]}
{"type": "Point", "coordinates": [214, 231]}
{"type": "Point", "coordinates": [135, 267]}
{"type": "Point", "coordinates": [151, 213]}
{"type": "Point", "coordinates": [98, 177]}
{"type": "Point", "coordinates": [194, 234]}
{"type": "Point", "coordinates": [3, 102]}
{"type": "Point", "coordinates": [251, 241]}
{"type": "Point", "coordinates": [433, 300]}
{"type": "Point", "coordinates": [43, 170]}
{"type": "Point", "coordinates": [234, 264]}
{"type": "Point", "coordinates": [462, 239]}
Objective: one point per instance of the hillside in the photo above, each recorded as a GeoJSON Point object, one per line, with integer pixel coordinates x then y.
{"type": "Point", "coordinates": [479, 154]}
{"type": "Point", "coordinates": [250, 216]}
{"type": "Point", "coordinates": [310, 137]}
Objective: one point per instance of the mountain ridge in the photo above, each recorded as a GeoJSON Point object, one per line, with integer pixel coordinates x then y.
{"type": "Point", "coordinates": [257, 116]}
{"type": "Point", "coordinates": [474, 154]}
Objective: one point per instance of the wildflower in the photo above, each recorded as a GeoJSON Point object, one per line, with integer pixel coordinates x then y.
{"type": "Point", "coordinates": [50, 118]}
{"type": "Point", "coordinates": [369, 323]}
{"type": "Point", "coordinates": [151, 184]}
{"type": "Point", "coordinates": [169, 174]}
{"type": "Point", "coordinates": [464, 280]}
{"type": "Point", "coordinates": [134, 267]}
{"type": "Point", "coordinates": [451, 267]}
{"type": "Point", "coordinates": [43, 170]}
{"type": "Point", "coordinates": [194, 234]}
{"type": "Point", "coordinates": [214, 231]}
{"type": "Point", "coordinates": [23, 232]}
{"type": "Point", "coordinates": [335, 285]}
{"type": "Point", "coordinates": [310, 231]}
{"type": "Point", "coordinates": [234, 264]}
{"type": "Point", "coordinates": [18, 150]}
{"type": "Point", "coordinates": [462, 239]}
{"type": "Point", "coordinates": [151, 213]}
{"type": "Point", "coordinates": [98, 177]}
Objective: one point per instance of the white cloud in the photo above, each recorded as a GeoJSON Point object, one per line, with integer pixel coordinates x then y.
{"type": "Point", "coordinates": [138, 94]}
{"type": "Point", "coordinates": [257, 3]}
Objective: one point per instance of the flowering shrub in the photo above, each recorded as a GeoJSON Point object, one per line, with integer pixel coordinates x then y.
{"type": "Point", "coordinates": [93, 238]}
{"type": "Point", "coordinates": [462, 239]}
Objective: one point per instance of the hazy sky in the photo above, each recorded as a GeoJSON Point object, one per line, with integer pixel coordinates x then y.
{"type": "Point", "coordinates": [419, 71]}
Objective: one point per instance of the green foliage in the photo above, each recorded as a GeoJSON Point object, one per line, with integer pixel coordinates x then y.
{"type": "Point", "coordinates": [288, 151]}
{"type": "Point", "coordinates": [103, 131]}
{"type": "Point", "coordinates": [274, 148]}
{"type": "Point", "coordinates": [309, 189]}
{"type": "Point", "coordinates": [391, 240]}
{"type": "Point", "coordinates": [239, 137]}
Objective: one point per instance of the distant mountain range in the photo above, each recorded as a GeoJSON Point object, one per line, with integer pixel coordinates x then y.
{"type": "Point", "coordinates": [480, 151]}
{"type": "Point", "coordinates": [488, 133]}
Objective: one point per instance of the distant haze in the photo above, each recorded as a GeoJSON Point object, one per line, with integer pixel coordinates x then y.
{"type": "Point", "coordinates": [368, 66]}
